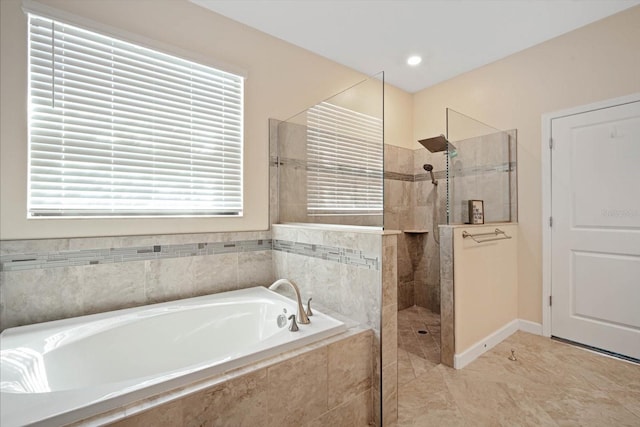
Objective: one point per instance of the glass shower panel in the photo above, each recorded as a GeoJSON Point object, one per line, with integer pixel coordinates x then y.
{"type": "Point", "coordinates": [481, 167]}
{"type": "Point", "coordinates": [330, 159]}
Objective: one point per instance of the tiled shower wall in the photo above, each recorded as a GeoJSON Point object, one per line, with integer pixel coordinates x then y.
{"type": "Point", "coordinates": [410, 205]}
{"type": "Point", "coordinates": [43, 280]}
{"type": "Point", "coordinates": [340, 270]}
{"type": "Point", "coordinates": [485, 169]}
{"type": "Point", "coordinates": [482, 168]}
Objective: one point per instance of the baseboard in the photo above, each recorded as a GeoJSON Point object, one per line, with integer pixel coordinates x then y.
{"type": "Point", "coordinates": [530, 327]}
{"type": "Point", "coordinates": [472, 353]}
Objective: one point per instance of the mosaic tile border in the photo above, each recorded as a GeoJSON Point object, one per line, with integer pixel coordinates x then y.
{"type": "Point", "coordinates": [42, 260]}
{"type": "Point", "coordinates": [329, 253]}
{"type": "Point", "coordinates": [75, 258]}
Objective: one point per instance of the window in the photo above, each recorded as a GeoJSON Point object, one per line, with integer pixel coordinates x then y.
{"type": "Point", "coordinates": [345, 162]}
{"type": "Point", "coordinates": [117, 129]}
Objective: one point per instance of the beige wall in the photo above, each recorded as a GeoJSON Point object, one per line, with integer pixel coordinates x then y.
{"type": "Point", "coordinates": [596, 62]}
{"type": "Point", "coordinates": [282, 80]}
{"type": "Point", "coordinates": [486, 288]}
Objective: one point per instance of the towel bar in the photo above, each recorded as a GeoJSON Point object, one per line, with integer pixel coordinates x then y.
{"type": "Point", "coordinates": [499, 235]}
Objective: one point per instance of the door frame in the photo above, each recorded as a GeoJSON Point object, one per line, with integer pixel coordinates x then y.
{"type": "Point", "coordinates": [547, 129]}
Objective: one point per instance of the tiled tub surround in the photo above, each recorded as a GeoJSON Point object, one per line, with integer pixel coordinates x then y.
{"type": "Point", "coordinates": [70, 258]}
{"type": "Point", "coordinates": [350, 285]}
{"type": "Point", "coordinates": [74, 277]}
{"type": "Point", "coordinates": [46, 280]}
{"type": "Point", "coordinates": [350, 261]}
{"type": "Point", "coordinates": [363, 290]}
{"type": "Point", "coordinates": [63, 371]}
{"type": "Point", "coordinates": [341, 269]}
{"type": "Point", "coordinates": [326, 383]}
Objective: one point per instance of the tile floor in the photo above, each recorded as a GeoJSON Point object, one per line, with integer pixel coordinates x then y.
{"type": "Point", "coordinates": [417, 353]}
{"type": "Point", "coordinates": [551, 383]}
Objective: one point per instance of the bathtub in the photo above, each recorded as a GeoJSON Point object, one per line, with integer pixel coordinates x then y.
{"type": "Point", "coordinates": [59, 372]}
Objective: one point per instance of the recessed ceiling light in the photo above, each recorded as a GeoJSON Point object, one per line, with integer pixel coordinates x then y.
{"type": "Point", "coordinates": [414, 60]}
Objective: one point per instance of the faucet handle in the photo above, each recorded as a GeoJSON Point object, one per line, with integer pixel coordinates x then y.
{"type": "Point", "coordinates": [294, 325]}
{"type": "Point", "coordinates": [308, 311]}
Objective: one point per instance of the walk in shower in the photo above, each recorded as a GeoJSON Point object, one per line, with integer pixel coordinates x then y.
{"type": "Point", "coordinates": [432, 186]}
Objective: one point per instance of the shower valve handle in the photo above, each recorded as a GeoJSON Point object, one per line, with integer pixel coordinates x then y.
{"type": "Point", "coordinates": [308, 311]}
{"type": "Point", "coordinates": [294, 324]}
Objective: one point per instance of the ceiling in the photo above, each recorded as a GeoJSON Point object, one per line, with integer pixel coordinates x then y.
{"type": "Point", "coordinates": [452, 37]}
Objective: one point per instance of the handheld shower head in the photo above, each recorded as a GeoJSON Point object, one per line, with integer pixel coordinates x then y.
{"type": "Point", "coordinates": [429, 168]}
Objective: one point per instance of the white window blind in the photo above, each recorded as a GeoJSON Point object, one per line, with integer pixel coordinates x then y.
{"type": "Point", "coordinates": [117, 129]}
{"type": "Point", "coordinates": [345, 162]}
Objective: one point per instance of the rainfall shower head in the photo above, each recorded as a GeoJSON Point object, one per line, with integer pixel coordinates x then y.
{"type": "Point", "coordinates": [437, 144]}
{"type": "Point", "coordinates": [429, 168]}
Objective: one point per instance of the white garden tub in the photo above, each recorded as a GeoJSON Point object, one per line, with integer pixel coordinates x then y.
{"type": "Point", "coordinates": [63, 371]}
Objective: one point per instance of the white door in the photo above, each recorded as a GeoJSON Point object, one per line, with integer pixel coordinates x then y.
{"type": "Point", "coordinates": [595, 237]}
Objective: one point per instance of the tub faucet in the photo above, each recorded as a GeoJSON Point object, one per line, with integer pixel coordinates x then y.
{"type": "Point", "coordinates": [302, 316]}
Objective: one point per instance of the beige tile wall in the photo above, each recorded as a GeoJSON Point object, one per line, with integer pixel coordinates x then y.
{"type": "Point", "coordinates": [447, 307]}
{"type": "Point", "coordinates": [412, 204]}
{"type": "Point", "coordinates": [350, 290]}
{"type": "Point", "coordinates": [366, 296]}
{"type": "Point", "coordinates": [44, 294]}
{"type": "Point", "coordinates": [327, 384]}
{"type": "Point", "coordinates": [389, 360]}
{"type": "Point", "coordinates": [477, 173]}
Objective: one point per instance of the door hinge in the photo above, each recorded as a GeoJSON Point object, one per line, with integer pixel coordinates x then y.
{"type": "Point", "coordinates": [550, 143]}
{"type": "Point", "coordinates": [550, 301]}
{"type": "Point", "coordinates": [550, 221]}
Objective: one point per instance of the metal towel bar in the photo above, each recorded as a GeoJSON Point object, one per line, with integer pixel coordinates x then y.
{"type": "Point", "coordinates": [499, 235]}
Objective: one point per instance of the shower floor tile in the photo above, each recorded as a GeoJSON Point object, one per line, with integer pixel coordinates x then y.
{"type": "Point", "coordinates": [418, 342]}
